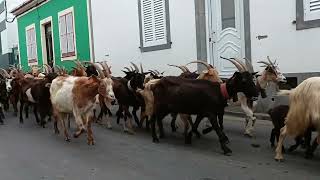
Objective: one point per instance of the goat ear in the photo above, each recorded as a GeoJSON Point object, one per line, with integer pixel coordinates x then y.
{"type": "Point", "coordinates": [48, 85]}
{"type": "Point", "coordinates": [254, 73]}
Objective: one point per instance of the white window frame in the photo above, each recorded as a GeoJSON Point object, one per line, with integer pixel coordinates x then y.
{"type": "Point", "coordinates": [43, 39]}
{"type": "Point", "coordinates": [155, 45]}
{"type": "Point", "coordinates": [32, 26]}
{"type": "Point", "coordinates": [63, 13]}
{"type": "Point", "coordinates": [303, 19]}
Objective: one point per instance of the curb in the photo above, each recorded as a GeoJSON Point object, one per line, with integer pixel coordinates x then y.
{"type": "Point", "coordinates": [260, 116]}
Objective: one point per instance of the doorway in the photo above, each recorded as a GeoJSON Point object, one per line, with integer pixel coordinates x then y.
{"type": "Point", "coordinates": [226, 34]}
{"type": "Point", "coordinates": [47, 41]}
{"type": "Point", "coordinates": [49, 46]}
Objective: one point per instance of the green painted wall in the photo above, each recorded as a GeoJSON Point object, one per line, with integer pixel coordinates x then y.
{"type": "Point", "coordinates": [52, 8]}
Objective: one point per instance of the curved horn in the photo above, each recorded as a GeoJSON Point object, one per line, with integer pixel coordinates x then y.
{"type": "Point", "coordinates": [208, 66]}
{"type": "Point", "coordinates": [106, 68]}
{"type": "Point", "coordinates": [45, 68]}
{"type": "Point", "coordinates": [249, 65]}
{"type": "Point", "coordinates": [157, 71]}
{"type": "Point", "coordinates": [4, 73]}
{"type": "Point", "coordinates": [153, 72]}
{"type": "Point", "coordinates": [129, 70]}
{"type": "Point", "coordinates": [241, 63]}
{"type": "Point", "coordinates": [135, 66]}
{"type": "Point", "coordinates": [101, 74]}
{"type": "Point", "coordinates": [180, 67]}
{"type": "Point", "coordinates": [141, 68]}
{"type": "Point", "coordinates": [238, 66]}
{"type": "Point", "coordinates": [49, 68]}
{"type": "Point", "coordinates": [271, 62]}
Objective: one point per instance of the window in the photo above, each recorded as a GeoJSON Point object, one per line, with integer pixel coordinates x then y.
{"type": "Point", "coordinates": [31, 45]}
{"type": "Point", "coordinates": [154, 25]}
{"type": "Point", "coordinates": [67, 35]}
{"type": "Point", "coordinates": [228, 14]}
{"type": "Point", "coordinates": [308, 14]}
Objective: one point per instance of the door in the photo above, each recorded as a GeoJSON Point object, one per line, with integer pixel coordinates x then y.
{"type": "Point", "coordinates": [49, 47]}
{"type": "Point", "coordinates": [226, 34]}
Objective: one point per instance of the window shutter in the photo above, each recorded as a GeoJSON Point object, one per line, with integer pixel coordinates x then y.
{"type": "Point", "coordinates": [31, 46]}
{"type": "Point", "coordinates": [311, 10]}
{"type": "Point", "coordinates": [63, 35]}
{"type": "Point", "coordinates": [70, 33]}
{"type": "Point", "coordinates": [153, 17]}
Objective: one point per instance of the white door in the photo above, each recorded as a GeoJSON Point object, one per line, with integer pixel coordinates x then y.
{"type": "Point", "coordinates": [226, 34]}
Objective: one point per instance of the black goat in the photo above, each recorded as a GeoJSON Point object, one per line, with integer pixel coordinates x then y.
{"type": "Point", "coordinates": [278, 115]}
{"type": "Point", "coordinates": [197, 97]}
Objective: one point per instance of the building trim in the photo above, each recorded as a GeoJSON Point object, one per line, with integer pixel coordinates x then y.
{"type": "Point", "coordinates": [27, 7]}
{"type": "Point", "coordinates": [157, 47]}
{"type": "Point", "coordinates": [247, 28]}
{"type": "Point", "coordinates": [61, 13]}
{"type": "Point", "coordinates": [301, 24]}
{"type": "Point", "coordinates": [43, 40]}
{"type": "Point", "coordinates": [91, 36]}
{"type": "Point", "coordinates": [201, 31]}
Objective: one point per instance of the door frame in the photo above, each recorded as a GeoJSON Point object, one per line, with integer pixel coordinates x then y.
{"type": "Point", "coordinates": [43, 40]}
{"type": "Point", "coordinates": [203, 30]}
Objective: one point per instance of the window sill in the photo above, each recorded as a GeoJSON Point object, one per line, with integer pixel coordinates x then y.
{"type": "Point", "coordinates": [69, 58]}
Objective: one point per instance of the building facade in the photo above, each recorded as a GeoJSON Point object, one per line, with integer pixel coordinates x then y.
{"type": "Point", "coordinates": [54, 32]}
{"type": "Point", "coordinates": [161, 32]}
{"type": "Point", "coordinates": [8, 37]}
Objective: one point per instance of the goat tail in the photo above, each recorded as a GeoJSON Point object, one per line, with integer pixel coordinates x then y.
{"type": "Point", "coordinates": [285, 92]}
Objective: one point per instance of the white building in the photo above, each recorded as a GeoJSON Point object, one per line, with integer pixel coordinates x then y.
{"type": "Point", "coordinates": [161, 32]}
{"type": "Point", "coordinates": [8, 34]}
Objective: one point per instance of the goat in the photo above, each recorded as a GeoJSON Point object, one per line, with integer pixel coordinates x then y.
{"type": "Point", "coordinates": [304, 112]}
{"type": "Point", "coordinates": [77, 95]}
{"type": "Point", "coordinates": [271, 73]}
{"type": "Point", "coordinates": [177, 95]}
{"type": "Point", "coordinates": [125, 92]}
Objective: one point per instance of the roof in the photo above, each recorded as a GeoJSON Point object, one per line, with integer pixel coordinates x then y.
{"type": "Point", "coordinates": [26, 6]}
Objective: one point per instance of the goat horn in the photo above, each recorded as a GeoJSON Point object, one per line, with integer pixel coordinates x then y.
{"type": "Point", "coordinates": [98, 69]}
{"type": "Point", "coordinates": [208, 66]}
{"type": "Point", "coordinates": [135, 67]}
{"type": "Point", "coordinates": [180, 67]}
{"type": "Point", "coordinates": [107, 69]}
{"type": "Point", "coordinates": [249, 65]}
{"type": "Point", "coordinates": [127, 69]}
{"type": "Point", "coordinates": [45, 69]}
{"type": "Point", "coordinates": [271, 62]}
{"type": "Point", "coordinates": [238, 66]}
{"type": "Point", "coordinates": [153, 72]}
{"type": "Point", "coordinates": [4, 73]}
{"type": "Point", "coordinates": [49, 68]}
{"type": "Point", "coordinates": [241, 63]}
{"type": "Point", "coordinates": [157, 72]}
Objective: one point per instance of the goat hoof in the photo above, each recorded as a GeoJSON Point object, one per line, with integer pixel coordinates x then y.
{"type": "Point", "coordinates": [91, 143]}
{"type": "Point", "coordinates": [155, 140]}
{"type": "Point", "coordinates": [1, 123]}
{"type": "Point", "coordinates": [227, 152]}
{"type": "Point", "coordinates": [279, 160]}
{"type": "Point", "coordinates": [67, 139]}
{"type": "Point", "coordinates": [249, 135]}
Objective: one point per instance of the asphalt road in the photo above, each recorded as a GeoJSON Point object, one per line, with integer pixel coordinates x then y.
{"type": "Point", "coordinates": [28, 152]}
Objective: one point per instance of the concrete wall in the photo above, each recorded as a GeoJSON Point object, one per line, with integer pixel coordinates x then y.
{"type": "Point", "coordinates": [296, 51]}
{"type": "Point", "coordinates": [116, 34]}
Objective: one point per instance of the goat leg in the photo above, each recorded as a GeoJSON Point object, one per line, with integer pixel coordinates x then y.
{"type": "Point", "coordinates": [134, 113]}
{"type": "Point", "coordinates": [273, 137]}
{"type": "Point", "coordinates": [173, 122]}
{"type": "Point", "coordinates": [310, 150]}
{"type": "Point", "coordinates": [155, 139]}
{"type": "Point", "coordinates": [222, 137]}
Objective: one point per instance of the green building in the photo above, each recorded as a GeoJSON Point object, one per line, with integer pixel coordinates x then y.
{"type": "Point", "coordinates": [53, 32]}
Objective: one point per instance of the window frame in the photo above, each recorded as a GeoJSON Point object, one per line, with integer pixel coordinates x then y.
{"type": "Point", "coordinates": [69, 55]}
{"type": "Point", "coordinates": [34, 61]}
{"type": "Point", "coordinates": [168, 33]}
{"type": "Point", "coordinates": [301, 24]}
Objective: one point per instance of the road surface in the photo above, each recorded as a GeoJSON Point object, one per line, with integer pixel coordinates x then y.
{"type": "Point", "coordinates": [28, 152]}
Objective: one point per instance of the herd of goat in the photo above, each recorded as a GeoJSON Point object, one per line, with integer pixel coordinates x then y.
{"type": "Point", "coordinates": [59, 95]}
